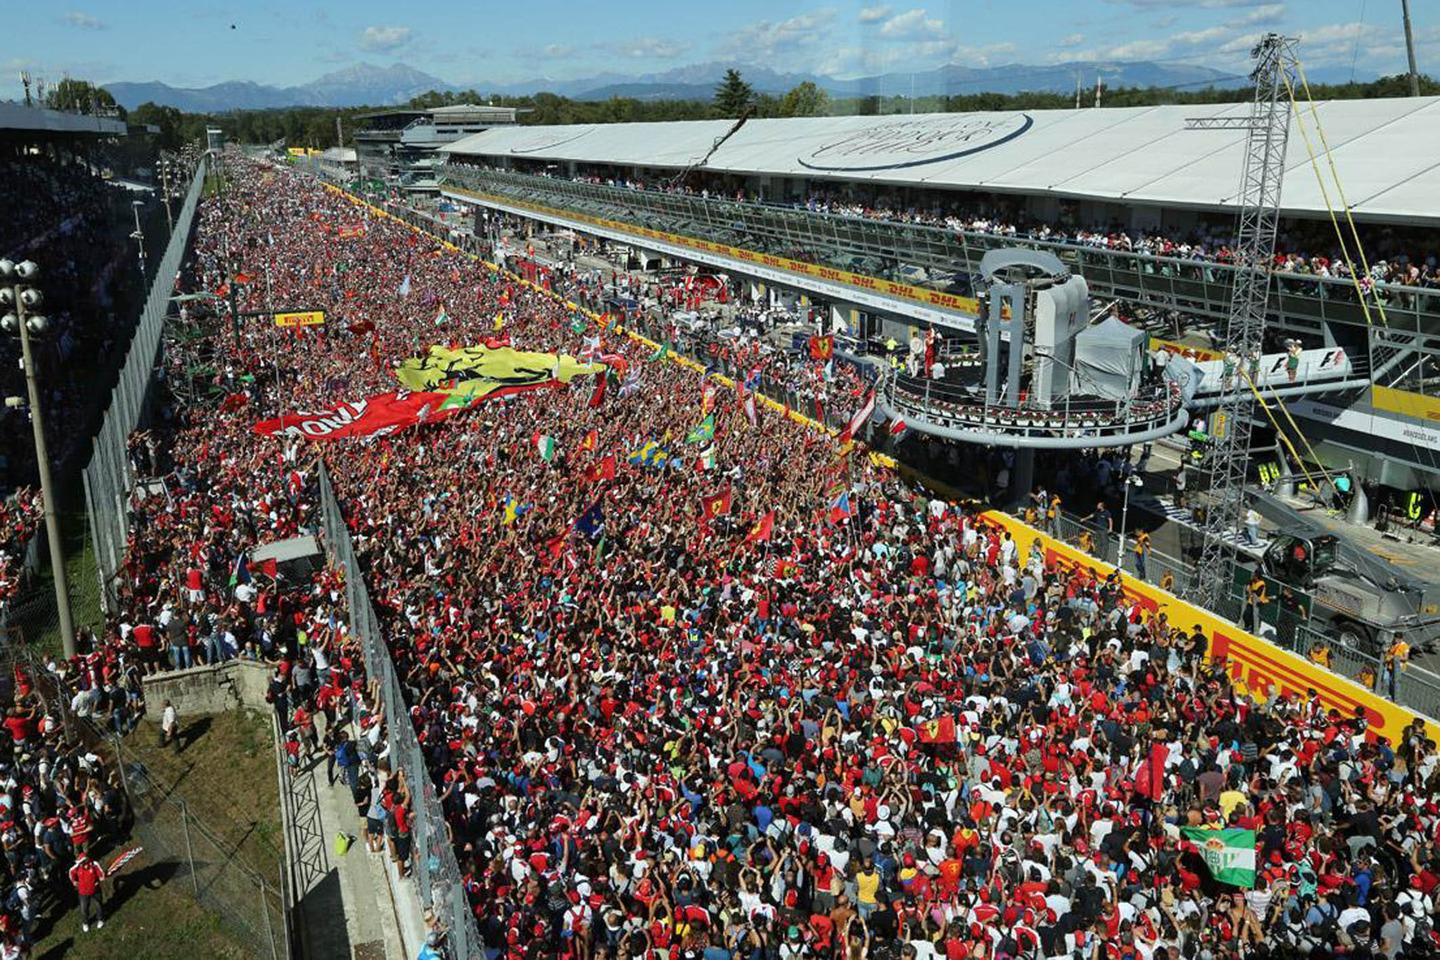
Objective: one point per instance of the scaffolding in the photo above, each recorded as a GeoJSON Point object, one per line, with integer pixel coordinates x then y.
{"type": "Point", "coordinates": [1267, 133]}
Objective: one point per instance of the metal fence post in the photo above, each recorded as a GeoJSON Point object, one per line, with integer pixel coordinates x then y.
{"type": "Point", "coordinates": [189, 851]}
{"type": "Point", "coordinates": [265, 912]}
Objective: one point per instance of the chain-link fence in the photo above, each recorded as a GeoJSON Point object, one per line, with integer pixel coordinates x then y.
{"type": "Point", "coordinates": [253, 909]}
{"type": "Point", "coordinates": [436, 872]}
{"type": "Point", "coordinates": [108, 476]}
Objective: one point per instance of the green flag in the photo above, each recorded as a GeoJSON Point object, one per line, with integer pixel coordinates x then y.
{"type": "Point", "coordinates": [1230, 854]}
{"type": "Point", "coordinates": [545, 446]}
{"type": "Point", "coordinates": [703, 433]}
{"type": "Point", "coordinates": [661, 352]}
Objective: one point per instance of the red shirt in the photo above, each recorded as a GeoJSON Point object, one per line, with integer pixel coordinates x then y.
{"type": "Point", "coordinates": [86, 876]}
{"type": "Point", "coordinates": [145, 636]}
{"type": "Point", "coordinates": [19, 728]}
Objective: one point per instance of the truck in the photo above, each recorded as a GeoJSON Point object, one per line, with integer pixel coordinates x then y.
{"type": "Point", "coordinates": [1361, 600]}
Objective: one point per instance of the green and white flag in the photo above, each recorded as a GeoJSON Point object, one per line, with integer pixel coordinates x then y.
{"type": "Point", "coordinates": [545, 446]}
{"type": "Point", "coordinates": [441, 317]}
{"type": "Point", "coordinates": [1230, 854]}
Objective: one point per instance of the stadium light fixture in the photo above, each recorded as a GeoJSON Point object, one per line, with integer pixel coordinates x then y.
{"type": "Point", "coordinates": [20, 300]}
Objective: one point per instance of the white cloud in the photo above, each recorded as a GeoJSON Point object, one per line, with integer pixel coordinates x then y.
{"type": "Point", "coordinates": [1073, 40]}
{"type": "Point", "coordinates": [1210, 4]}
{"type": "Point", "coordinates": [649, 48]}
{"type": "Point", "coordinates": [83, 20]}
{"type": "Point", "coordinates": [557, 50]}
{"type": "Point", "coordinates": [383, 39]}
{"type": "Point", "coordinates": [1265, 14]}
{"type": "Point", "coordinates": [797, 36]}
{"type": "Point", "coordinates": [913, 25]}
{"type": "Point", "coordinates": [874, 14]}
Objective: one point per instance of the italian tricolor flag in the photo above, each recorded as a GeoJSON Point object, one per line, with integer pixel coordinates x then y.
{"type": "Point", "coordinates": [1230, 854]}
{"type": "Point", "coordinates": [544, 445]}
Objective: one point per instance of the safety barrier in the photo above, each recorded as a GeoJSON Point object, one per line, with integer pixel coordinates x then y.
{"type": "Point", "coordinates": [1256, 666]}
{"type": "Point", "coordinates": [436, 871]}
{"type": "Point", "coordinates": [107, 476]}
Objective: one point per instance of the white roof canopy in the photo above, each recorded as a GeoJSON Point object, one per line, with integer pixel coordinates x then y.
{"type": "Point", "coordinates": [1386, 151]}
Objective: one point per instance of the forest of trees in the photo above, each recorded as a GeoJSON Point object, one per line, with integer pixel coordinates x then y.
{"type": "Point", "coordinates": [315, 126]}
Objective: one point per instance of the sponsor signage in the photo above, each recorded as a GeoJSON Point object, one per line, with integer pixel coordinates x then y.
{"type": "Point", "coordinates": [1363, 419]}
{"type": "Point", "coordinates": [900, 144]}
{"type": "Point", "coordinates": [301, 318]}
{"type": "Point", "coordinates": [767, 266]}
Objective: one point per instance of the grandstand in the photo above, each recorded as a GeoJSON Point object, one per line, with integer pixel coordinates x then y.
{"type": "Point", "coordinates": [882, 223]}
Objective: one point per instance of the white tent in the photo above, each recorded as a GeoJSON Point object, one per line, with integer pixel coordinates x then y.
{"type": "Point", "coordinates": [1109, 359]}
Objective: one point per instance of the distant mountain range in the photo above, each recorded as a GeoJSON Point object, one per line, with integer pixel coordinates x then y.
{"type": "Point", "coordinates": [366, 84]}
{"type": "Point", "coordinates": [361, 85]}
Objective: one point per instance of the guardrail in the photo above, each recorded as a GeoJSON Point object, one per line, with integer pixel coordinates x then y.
{"type": "Point", "coordinates": [436, 871]}
{"type": "Point", "coordinates": [107, 477]}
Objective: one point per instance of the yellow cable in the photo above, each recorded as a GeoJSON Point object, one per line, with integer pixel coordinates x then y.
{"type": "Point", "coordinates": [1325, 193]}
{"type": "Point", "coordinates": [1279, 432]}
{"type": "Point", "coordinates": [1340, 188]}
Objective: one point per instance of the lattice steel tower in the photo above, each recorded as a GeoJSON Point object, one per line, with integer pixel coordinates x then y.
{"type": "Point", "coordinates": [1267, 132]}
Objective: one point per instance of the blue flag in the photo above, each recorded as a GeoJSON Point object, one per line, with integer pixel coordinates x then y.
{"type": "Point", "coordinates": [592, 522]}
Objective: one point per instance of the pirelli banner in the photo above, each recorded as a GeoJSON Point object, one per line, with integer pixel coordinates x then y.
{"type": "Point", "coordinates": [300, 318]}
{"type": "Point", "coordinates": [921, 295]}
{"type": "Point", "coordinates": [1255, 666]}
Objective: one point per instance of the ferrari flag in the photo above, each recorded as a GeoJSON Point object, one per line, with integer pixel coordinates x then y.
{"type": "Point", "coordinates": [483, 370]}
{"type": "Point", "coordinates": [372, 417]}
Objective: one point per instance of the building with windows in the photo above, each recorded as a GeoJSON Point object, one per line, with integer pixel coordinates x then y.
{"type": "Point", "coordinates": [400, 147]}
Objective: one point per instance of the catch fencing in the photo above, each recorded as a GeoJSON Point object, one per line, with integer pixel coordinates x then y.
{"type": "Point", "coordinates": [108, 476]}
{"type": "Point", "coordinates": [436, 871]}
{"type": "Point", "coordinates": [178, 846]}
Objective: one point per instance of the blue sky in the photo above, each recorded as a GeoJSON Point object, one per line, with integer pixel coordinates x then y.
{"type": "Point", "coordinates": [191, 43]}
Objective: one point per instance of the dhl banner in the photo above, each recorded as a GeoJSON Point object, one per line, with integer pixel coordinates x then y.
{"type": "Point", "coordinates": [1404, 402]}
{"type": "Point", "coordinates": [302, 318]}
{"type": "Point", "coordinates": [1185, 349]}
{"type": "Point", "coordinates": [904, 291]}
{"type": "Point", "coordinates": [1255, 666]}
{"type": "Point", "coordinates": [482, 370]}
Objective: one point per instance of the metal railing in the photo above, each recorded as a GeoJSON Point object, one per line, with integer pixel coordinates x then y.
{"type": "Point", "coordinates": [1154, 408]}
{"type": "Point", "coordinates": [108, 479]}
{"type": "Point", "coordinates": [1301, 303]}
{"type": "Point", "coordinates": [436, 871]}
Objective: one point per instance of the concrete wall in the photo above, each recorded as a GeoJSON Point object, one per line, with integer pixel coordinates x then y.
{"type": "Point", "coordinates": [217, 689]}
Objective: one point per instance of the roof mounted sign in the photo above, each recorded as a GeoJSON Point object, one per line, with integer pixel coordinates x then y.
{"type": "Point", "coordinates": [913, 142]}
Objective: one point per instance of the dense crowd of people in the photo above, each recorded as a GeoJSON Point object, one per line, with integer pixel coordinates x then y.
{"type": "Point", "coordinates": [1304, 250]}
{"type": "Point", "coordinates": [771, 703]}
{"type": "Point", "coordinates": [61, 810]}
